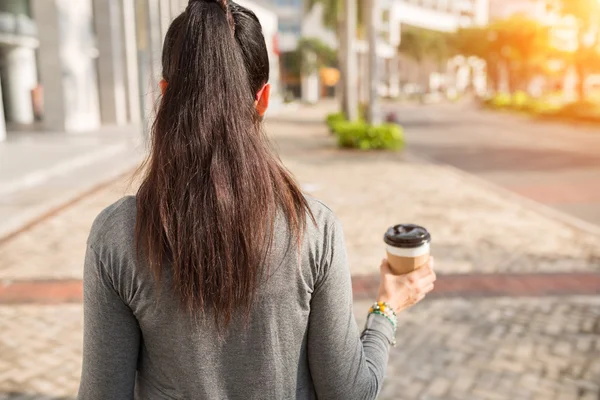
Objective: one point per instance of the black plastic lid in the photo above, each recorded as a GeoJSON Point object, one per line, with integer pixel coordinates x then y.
{"type": "Point", "coordinates": [407, 236]}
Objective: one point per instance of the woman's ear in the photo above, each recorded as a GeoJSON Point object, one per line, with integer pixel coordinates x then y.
{"type": "Point", "coordinates": [163, 86]}
{"type": "Point", "coordinates": [262, 100]}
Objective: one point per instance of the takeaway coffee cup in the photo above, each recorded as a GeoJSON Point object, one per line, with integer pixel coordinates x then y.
{"type": "Point", "coordinates": [407, 247]}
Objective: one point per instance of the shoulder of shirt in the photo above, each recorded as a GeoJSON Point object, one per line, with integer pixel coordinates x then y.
{"type": "Point", "coordinates": [115, 224]}
{"type": "Point", "coordinates": [318, 207]}
{"type": "Point", "coordinates": [324, 216]}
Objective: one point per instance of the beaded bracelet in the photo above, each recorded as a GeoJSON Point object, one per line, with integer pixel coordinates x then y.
{"type": "Point", "coordinates": [385, 310]}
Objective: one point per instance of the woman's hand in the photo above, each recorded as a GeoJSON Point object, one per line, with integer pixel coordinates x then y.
{"type": "Point", "coordinates": [404, 291]}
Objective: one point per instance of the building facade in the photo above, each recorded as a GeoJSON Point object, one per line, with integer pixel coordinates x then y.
{"type": "Point", "coordinates": [441, 15]}
{"type": "Point", "coordinates": [502, 9]}
{"type": "Point", "coordinates": [73, 66]}
{"type": "Point", "coordinates": [18, 72]}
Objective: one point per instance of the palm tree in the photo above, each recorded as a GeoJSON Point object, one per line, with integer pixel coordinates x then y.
{"type": "Point", "coordinates": [421, 44]}
{"type": "Point", "coordinates": [312, 54]}
{"type": "Point", "coordinates": [587, 14]}
{"type": "Point", "coordinates": [518, 43]}
{"type": "Point", "coordinates": [529, 44]}
{"type": "Point", "coordinates": [335, 16]}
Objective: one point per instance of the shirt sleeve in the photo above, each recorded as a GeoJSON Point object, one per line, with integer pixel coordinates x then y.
{"type": "Point", "coordinates": [343, 363]}
{"type": "Point", "coordinates": [111, 337]}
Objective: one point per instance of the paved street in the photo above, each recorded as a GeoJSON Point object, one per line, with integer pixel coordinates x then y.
{"type": "Point", "coordinates": [517, 315]}
{"type": "Point", "coordinates": [554, 164]}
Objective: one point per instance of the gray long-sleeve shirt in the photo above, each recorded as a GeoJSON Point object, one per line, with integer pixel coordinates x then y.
{"type": "Point", "coordinates": [301, 342]}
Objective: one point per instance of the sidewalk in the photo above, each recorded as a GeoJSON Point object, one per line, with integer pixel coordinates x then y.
{"type": "Point", "coordinates": [41, 171]}
{"type": "Point", "coordinates": [463, 344]}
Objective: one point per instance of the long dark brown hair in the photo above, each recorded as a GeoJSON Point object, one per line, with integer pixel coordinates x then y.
{"type": "Point", "coordinates": [212, 189]}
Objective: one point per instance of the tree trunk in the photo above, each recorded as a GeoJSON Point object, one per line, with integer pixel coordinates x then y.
{"type": "Point", "coordinates": [421, 80]}
{"type": "Point", "coordinates": [373, 77]}
{"type": "Point", "coordinates": [363, 58]}
{"type": "Point", "coordinates": [581, 78]}
{"type": "Point", "coordinates": [493, 76]}
{"type": "Point", "coordinates": [512, 79]}
{"type": "Point", "coordinates": [341, 34]}
{"type": "Point", "coordinates": [580, 65]}
{"type": "Point", "coordinates": [350, 87]}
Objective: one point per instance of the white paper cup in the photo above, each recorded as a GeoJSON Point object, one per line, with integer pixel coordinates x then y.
{"type": "Point", "coordinates": [407, 253]}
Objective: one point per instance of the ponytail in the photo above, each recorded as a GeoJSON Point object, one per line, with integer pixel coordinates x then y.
{"type": "Point", "coordinates": [212, 188]}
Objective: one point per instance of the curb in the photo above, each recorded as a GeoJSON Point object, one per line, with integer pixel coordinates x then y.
{"type": "Point", "coordinates": [522, 201]}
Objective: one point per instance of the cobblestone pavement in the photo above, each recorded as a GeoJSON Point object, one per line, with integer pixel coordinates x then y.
{"type": "Point", "coordinates": [54, 248]}
{"type": "Point", "coordinates": [509, 348]}
{"type": "Point", "coordinates": [40, 351]}
{"type": "Point", "coordinates": [504, 349]}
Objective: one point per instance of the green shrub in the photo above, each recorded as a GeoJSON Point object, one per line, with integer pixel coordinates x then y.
{"type": "Point", "coordinates": [385, 136]}
{"type": "Point", "coordinates": [583, 111]}
{"type": "Point", "coordinates": [538, 106]}
{"type": "Point", "coordinates": [501, 100]}
{"type": "Point", "coordinates": [548, 107]}
{"type": "Point", "coordinates": [580, 108]}
{"type": "Point", "coordinates": [360, 135]}
{"type": "Point", "coordinates": [347, 131]}
{"type": "Point", "coordinates": [520, 99]}
{"type": "Point", "coordinates": [521, 102]}
{"type": "Point", "coordinates": [333, 119]}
